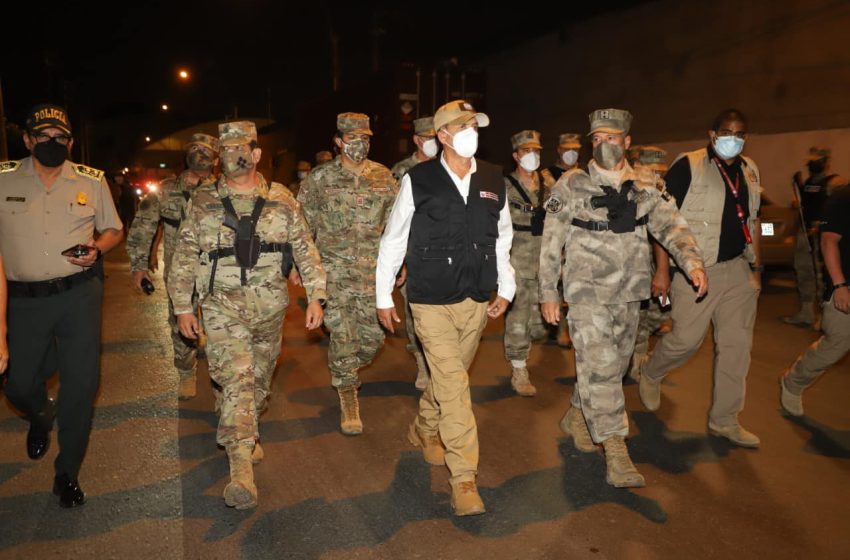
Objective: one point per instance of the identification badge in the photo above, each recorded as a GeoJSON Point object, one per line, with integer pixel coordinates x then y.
{"type": "Point", "coordinates": [16, 199]}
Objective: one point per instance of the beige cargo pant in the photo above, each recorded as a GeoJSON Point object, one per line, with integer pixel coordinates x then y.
{"type": "Point", "coordinates": [809, 276]}
{"type": "Point", "coordinates": [826, 351]}
{"type": "Point", "coordinates": [730, 306]}
{"type": "Point", "coordinates": [450, 335]}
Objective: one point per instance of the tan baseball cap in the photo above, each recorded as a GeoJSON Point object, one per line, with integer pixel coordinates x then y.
{"type": "Point", "coordinates": [569, 140]}
{"type": "Point", "coordinates": [526, 139]}
{"type": "Point", "coordinates": [457, 112]}
{"type": "Point", "coordinates": [818, 152]}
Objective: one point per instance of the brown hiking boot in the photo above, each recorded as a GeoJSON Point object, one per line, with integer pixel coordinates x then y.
{"type": "Point", "coordinates": [350, 422]}
{"type": "Point", "coordinates": [621, 471]}
{"type": "Point", "coordinates": [521, 383]}
{"type": "Point", "coordinates": [574, 424]}
{"type": "Point", "coordinates": [258, 454]}
{"type": "Point", "coordinates": [240, 493]}
{"type": "Point", "coordinates": [432, 448]}
{"type": "Point", "coordinates": [422, 377]}
{"type": "Point", "coordinates": [188, 387]}
{"type": "Point", "coordinates": [465, 499]}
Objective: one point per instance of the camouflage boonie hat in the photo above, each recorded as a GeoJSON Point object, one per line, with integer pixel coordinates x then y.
{"type": "Point", "coordinates": [204, 140]}
{"type": "Point", "coordinates": [613, 121]}
{"type": "Point", "coordinates": [353, 123]}
{"type": "Point", "coordinates": [303, 166]}
{"type": "Point", "coordinates": [456, 112]}
{"type": "Point", "coordinates": [526, 139]}
{"type": "Point", "coordinates": [424, 126]}
{"type": "Point", "coordinates": [569, 140]}
{"type": "Point", "coordinates": [236, 133]}
{"type": "Point", "coordinates": [47, 115]}
{"type": "Point", "coordinates": [817, 152]}
{"type": "Point", "coordinates": [323, 157]}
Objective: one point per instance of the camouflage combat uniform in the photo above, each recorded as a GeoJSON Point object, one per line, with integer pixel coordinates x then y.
{"type": "Point", "coordinates": [243, 323]}
{"type": "Point", "coordinates": [605, 276]}
{"type": "Point", "coordinates": [166, 206]}
{"type": "Point", "coordinates": [347, 214]}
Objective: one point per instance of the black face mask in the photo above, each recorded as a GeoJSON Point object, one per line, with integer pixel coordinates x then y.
{"type": "Point", "coordinates": [50, 153]}
{"type": "Point", "coordinates": [817, 167]}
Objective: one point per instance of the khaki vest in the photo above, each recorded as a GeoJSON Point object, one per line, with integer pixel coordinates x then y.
{"type": "Point", "coordinates": [703, 205]}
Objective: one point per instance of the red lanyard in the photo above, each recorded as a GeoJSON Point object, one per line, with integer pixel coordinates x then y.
{"type": "Point", "coordinates": [735, 188]}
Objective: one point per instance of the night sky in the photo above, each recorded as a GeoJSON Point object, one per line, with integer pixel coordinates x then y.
{"type": "Point", "coordinates": [241, 53]}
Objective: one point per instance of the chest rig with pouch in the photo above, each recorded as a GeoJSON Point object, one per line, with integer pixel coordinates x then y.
{"type": "Point", "coordinates": [538, 212]}
{"type": "Point", "coordinates": [622, 212]}
{"type": "Point", "coordinates": [247, 245]}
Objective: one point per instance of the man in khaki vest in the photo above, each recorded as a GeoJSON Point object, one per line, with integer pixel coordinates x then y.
{"type": "Point", "coordinates": [718, 192]}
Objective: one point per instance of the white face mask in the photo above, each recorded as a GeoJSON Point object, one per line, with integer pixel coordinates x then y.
{"type": "Point", "coordinates": [429, 147]}
{"type": "Point", "coordinates": [302, 174]}
{"type": "Point", "coordinates": [570, 157]}
{"type": "Point", "coordinates": [530, 161]}
{"type": "Point", "coordinates": [465, 142]}
{"type": "Point", "coordinates": [728, 147]}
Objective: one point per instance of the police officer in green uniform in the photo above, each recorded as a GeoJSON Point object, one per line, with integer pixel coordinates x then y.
{"type": "Point", "coordinates": [49, 205]}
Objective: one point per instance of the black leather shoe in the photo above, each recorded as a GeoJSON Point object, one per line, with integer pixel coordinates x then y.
{"type": "Point", "coordinates": [38, 437]}
{"type": "Point", "coordinates": [69, 491]}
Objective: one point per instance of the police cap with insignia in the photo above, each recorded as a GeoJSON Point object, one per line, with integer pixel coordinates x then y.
{"type": "Point", "coordinates": [47, 115]}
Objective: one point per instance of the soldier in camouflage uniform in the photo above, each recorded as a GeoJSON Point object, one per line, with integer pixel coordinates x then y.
{"type": "Point", "coordinates": [323, 157]}
{"type": "Point", "coordinates": [425, 138]}
{"type": "Point", "coordinates": [167, 206]}
{"type": "Point", "coordinates": [302, 169]}
{"type": "Point", "coordinates": [653, 316]}
{"type": "Point", "coordinates": [526, 190]}
{"type": "Point", "coordinates": [237, 239]}
{"type": "Point", "coordinates": [347, 203]}
{"type": "Point", "coordinates": [601, 218]}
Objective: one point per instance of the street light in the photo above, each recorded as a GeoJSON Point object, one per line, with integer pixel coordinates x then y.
{"type": "Point", "coordinates": [184, 75]}
{"type": "Point", "coordinates": [147, 138]}
{"type": "Point", "coordinates": [165, 107]}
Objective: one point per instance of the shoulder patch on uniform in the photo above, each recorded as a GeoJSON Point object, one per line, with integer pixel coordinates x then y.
{"type": "Point", "coordinates": [553, 205]}
{"type": "Point", "coordinates": [87, 171]}
{"type": "Point", "coordinates": [7, 166]}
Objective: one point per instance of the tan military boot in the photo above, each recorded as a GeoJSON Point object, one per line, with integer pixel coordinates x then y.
{"type": "Point", "coordinates": [791, 403]}
{"type": "Point", "coordinates": [240, 493]}
{"type": "Point", "coordinates": [735, 433]}
{"type": "Point", "coordinates": [650, 393]}
{"type": "Point", "coordinates": [258, 454]}
{"type": "Point", "coordinates": [432, 447]}
{"type": "Point", "coordinates": [521, 383]}
{"type": "Point", "coordinates": [188, 387]}
{"type": "Point", "coordinates": [422, 376]}
{"type": "Point", "coordinates": [621, 471]}
{"type": "Point", "coordinates": [574, 424]}
{"type": "Point", "coordinates": [465, 499]}
{"type": "Point", "coordinates": [638, 359]}
{"type": "Point", "coordinates": [350, 422]}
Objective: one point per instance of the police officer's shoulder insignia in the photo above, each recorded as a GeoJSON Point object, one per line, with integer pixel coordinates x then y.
{"type": "Point", "coordinates": [89, 172]}
{"type": "Point", "coordinates": [9, 166]}
{"type": "Point", "coordinates": [553, 205]}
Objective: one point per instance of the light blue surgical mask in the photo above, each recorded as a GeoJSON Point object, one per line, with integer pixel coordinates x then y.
{"type": "Point", "coordinates": [728, 147]}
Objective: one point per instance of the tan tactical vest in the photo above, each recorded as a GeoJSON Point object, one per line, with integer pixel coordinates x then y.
{"type": "Point", "coordinates": [703, 205]}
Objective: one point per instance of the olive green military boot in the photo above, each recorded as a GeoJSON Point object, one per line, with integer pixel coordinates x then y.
{"type": "Point", "coordinates": [240, 493]}
{"type": "Point", "coordinates": [350, 422]}
{"type": "Point", "coordinates": [621, 471]}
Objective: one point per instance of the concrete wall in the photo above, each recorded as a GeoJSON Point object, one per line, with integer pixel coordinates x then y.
{"type": "Point", "coordinates": [675, 64]}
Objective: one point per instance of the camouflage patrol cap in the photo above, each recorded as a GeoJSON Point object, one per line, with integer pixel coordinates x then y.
{"type": "Point", "coordinates": [652, 157]}
{"type": "Point", "coordinates": [569, 140]}
{"type": "Point", "coordinates": [236, 133]}
{"type": "Point", "coordinates": [613, 121]}
{"type": "Point", "coordinates": [633, 153]}
{"type": "Point", "coordinates": [323, 157]}
{"type": "Point", "coordinates": [353, 123]}
{"type": "Point", "coordinates": [205, 140]}
{"type": "Point", "coordinates": [526, 139]}
{"type": "Point", "coordinates": [303, 165]}
{"type": "Point", "coordinates": [47, 115]}
{"type": "Point", "coordinates": [424, 126]}
{"type": "Point", "coordinates": [457, 112]}
{"type": "Point", "coordinates": [819, 152]}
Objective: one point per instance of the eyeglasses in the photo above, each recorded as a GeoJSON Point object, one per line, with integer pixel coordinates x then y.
{"type": "Point", "coordinates": [726, 132]}
{"type": "Point", "coordinates": [60, 138]}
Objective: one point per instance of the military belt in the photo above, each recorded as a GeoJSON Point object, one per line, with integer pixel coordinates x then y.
{"type": "Point", "coordinates": [604, 226]}
{"type": "Point", "coordinates": [222, 252]}
{"type": "Point", "coordinates": [51, 287]}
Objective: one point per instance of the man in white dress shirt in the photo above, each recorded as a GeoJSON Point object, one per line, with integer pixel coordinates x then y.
{"type": "Point", "coordinates": [451, 226]}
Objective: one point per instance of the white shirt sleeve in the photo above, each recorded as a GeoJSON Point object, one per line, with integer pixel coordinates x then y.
{"type": "Point", "coordinates": [394, 245]}
{"type": "Point", "coordinates": [507, 280]}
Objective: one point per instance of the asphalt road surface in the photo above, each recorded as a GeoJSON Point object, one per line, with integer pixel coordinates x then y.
{"type": "Point", "coordinates": [154, 476]}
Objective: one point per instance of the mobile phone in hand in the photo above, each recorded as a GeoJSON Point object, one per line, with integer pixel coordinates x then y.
{"type": "Point", "coordinates": [77, 251]}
